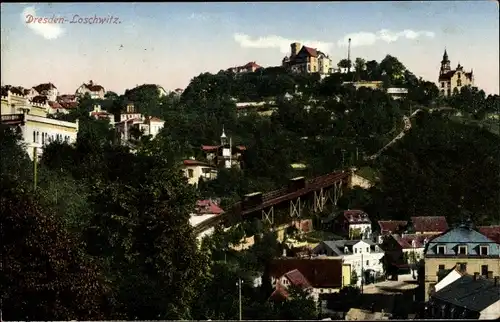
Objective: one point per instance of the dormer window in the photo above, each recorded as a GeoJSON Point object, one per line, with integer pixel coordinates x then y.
{"type": "Point", "coordinates": [484, 250]}
{"type": "Point", "coordinates": [346, 250]}
{"type": "Point", "coordinates": [462, 250]}
{"type": "Point", "coordinates": [441, 250]}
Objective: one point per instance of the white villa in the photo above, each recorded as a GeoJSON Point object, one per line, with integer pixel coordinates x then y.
{"type": "Point", "coordinates": [31, 119]}
{"type": "Point", "coordinates": [364, 256]}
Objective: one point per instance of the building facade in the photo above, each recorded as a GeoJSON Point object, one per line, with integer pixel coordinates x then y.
{"type": "Point", "coordinates": [450, 80]}
{"type": "Point", "coordinates": [48, 89]}
{"type": "Point", "coordinates": [195, 170]}
{"type": "Point", "coordinates": [307, 60]}
{"type": "Point", "coordinates": [464, 247]}
{"type": "Point", "coordinates": [31, 119]}
{"type": "Point", "coordinates": [95, 91]}
{"type": "Point", "coordinates": [363, 256]}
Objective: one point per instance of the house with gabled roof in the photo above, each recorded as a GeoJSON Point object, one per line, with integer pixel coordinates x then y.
{"type": "Point", "coordinates": [307, 60]}
{"type": "Point", "coordinates": [321, 276]}
{"type": "Point", "coordinates": [94, 90]}
{"type": "Point", "coordinates": [195, 170]}
{"type": "Point", "coordinates": [357, 224]}
{"type": "Point", "coordinates": [47, 89]}
{"type": "Point", "coordinates": [247, 68]}
{"type": "Point", "coordinates": [364, 256]}
{"type": "Point", "coordinates": [464, 246]}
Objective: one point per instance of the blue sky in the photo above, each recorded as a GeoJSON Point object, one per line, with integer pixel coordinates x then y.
{"type": "Point", "coordinates": [170, 43]}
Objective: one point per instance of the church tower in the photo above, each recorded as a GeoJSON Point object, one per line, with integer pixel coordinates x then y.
{"type": "Point", "coordinates": [226, 149]}
{"type": "Point", "coordinates": [445, 64]}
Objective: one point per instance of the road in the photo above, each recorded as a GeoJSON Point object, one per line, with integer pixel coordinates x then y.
{"type": "Point", "coordinates": [406, 128]}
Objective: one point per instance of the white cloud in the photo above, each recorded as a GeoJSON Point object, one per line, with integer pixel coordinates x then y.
{"type": "Point", "coordinates": [370, 38]}
{"type": "Point", "coordinates": [199, 16]}
{"type": "Point", "coordinates": [46, 30]}
{"type": "Point", "coordinates": [283, 44]}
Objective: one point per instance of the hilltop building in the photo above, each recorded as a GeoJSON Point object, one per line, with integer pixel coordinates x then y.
{"type": "Point", "coordinates": [307, 60]}
{"type": "Point", "coordinates": [449, 79]}
{"type": "Point", "coordinates": [48, 89]}
{"type": "Point", "coordinates": [95, 91]}
{"type": "Point", "coordinates": [247, 68]}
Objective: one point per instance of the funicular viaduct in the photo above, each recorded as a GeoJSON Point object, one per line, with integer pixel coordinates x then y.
{"type": "Point", "coordinates": [286, 204]}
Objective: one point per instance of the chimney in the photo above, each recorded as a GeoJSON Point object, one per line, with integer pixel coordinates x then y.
{"type": "Point", "coordinates": [91, 82]}
{"type": "Point", "coordinates": [496, 280]}
{"type": "Point", "coordinates": [476, 276]}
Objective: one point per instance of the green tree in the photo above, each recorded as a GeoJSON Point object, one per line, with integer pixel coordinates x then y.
{"type": "Point", "coordinates": [299, 306]}
{"type": "Point", "coordinates": [44, 275]}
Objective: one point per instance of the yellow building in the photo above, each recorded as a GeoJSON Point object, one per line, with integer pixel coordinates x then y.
{"type": "Point", "coordinates": [308, 60]}
{"type": "Point", "coordinates": [31, 118]}
{"type": "Point", "coordinates": [462, 247]}
{"type": "Point", "coordinates": [449, 79]}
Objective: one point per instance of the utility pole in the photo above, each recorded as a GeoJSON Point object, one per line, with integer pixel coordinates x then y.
{"type": "Point", "coordinates": [362, 274]}
{"type": "Point", "coordinates": [349, 56]}
{"type": "Point", "coordinates": [35, 167]}
{"type": "Point", "coordinates": [239, 296]}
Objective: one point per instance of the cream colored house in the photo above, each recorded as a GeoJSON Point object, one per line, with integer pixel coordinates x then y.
{"type": "Point", "coordinates": [31, 118]}
{"type": "Point", "coordinates": [48, 89]}
{"type": "Point", "coordinates": [464, 247]}
{"type": "Point", "coordinates": [451, 80]}
{"type": "Point", "coordinates": [194, 170]}
{"type": "Point", "coordinates": [307, 60]}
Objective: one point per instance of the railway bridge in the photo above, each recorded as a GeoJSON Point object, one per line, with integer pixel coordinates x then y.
{"type": "Point", "coordinates": [285, 204]}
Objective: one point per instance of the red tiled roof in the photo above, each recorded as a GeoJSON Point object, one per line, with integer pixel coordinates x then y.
{"type": "Point", "coordinates": [326, 273]}
{"type": "Point", "coordinates": [194, 162]}
{"type": "Point", "coordinates": [356, 217]}
{"type": "Point", "coordinates": [251, 65]}
{"type": "Point", "coordinates": [406, 240]}
{"type": "Point", "coordinates": [66, 97]}
{"type": "Point", "coordinates": [391, 226]}
{"type": "Point", "coordinates": [436, 224]}
{"type": "Point", "coordinates": [310, 51]}
{"type": "Point", "coordinates": [154, 119]}
{"type": "Point", "coordinates": [68, 105]}
{"type": "Point", "coordinates": [55, 105]}
{"type": "Point", "coordinates": [44, 87]}
{"type": "Point", "coordinates": [279, 293]}
{"type": "Point", "coordinates": [100, 114]}
{"type": "Point", "coordinates": [296, 278]}
{"type": "Point", "coordinates": [210, 147]}
{"type": "Point", "coordinates": [208, 207]}
{"type": "Point", "coordinates": [492, 232]}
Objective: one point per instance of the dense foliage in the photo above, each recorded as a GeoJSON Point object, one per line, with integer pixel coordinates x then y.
{"type": "Point", "coordinates": [105, 234]}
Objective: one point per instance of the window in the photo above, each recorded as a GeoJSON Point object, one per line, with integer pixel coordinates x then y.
{"type": "Point", "coordinates": [449, 92]}
{"type": "Point", "coordinates": [483, 250]}
{"type": "Point", "coordinates": [442, 84]}
{"type": "Point", "coordinates": [484, 270]}
{"type": "Point", "coordinates": [43, 138]}
{"type": "Point", "coordinates": [441, 250]}
{"type": "Point", "coordinates": [367, 263]}
{"type": "Point", "coordinates": [462, 250]}
{"type": "Point", "coordinates": [459, 82]}
{"type": "Point", "coordinates": [37, 137]}
{"type": "Point", "coordinates": [462, 267]}
{"type": "Point", "coordinates": [459, 75]}
{"type": "Point", "coordinates": [367, 249]}
{"type": "Point", "coordinates": [441, 267]}
{"type": "Point", "coordinates": [190, 173]}
{"type": "Point", "coordinates": [355, 250]}
{"type": "Point", "coordinates": [34, 136]}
